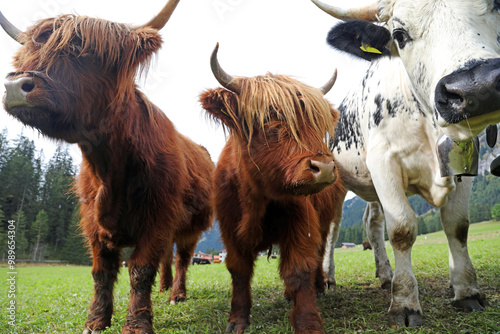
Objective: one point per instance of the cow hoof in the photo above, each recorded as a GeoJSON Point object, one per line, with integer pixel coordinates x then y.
{"type": "Point", "coordinates": [386, 286]}
{"type": "Point", "coordinates": [405, 318]}
{"type": "Point", "coordinates": [474, 303]}
{"type": "Point", "coordinates": [236, 328]}
{"type": "Point", "coordinates": [331, 284]}
{"type": "Point", "coordinates": [177, 299]}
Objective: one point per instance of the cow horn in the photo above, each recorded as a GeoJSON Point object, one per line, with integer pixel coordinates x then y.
{"type": "Point", "coordinates": [326, 87]}
{"type": "Point", "coordinates": [367, 13]}
{"type": "Point", "coordinates": [9, 28]}
{"type": "Point", "coordinates": [226, 80]}
{"type": "Point", "coordinates": [162, 18]}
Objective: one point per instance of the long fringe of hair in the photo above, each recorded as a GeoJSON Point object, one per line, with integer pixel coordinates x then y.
{"type": "Point", "coordinates": [271, 97]}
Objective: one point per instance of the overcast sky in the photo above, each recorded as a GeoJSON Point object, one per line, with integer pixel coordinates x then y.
{"type": "Point", "coordinates": [255, 36]}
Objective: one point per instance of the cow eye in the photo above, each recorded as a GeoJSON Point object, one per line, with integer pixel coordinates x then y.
{"type": "Point", "coordinates": [496, 5]}
{"type": "Point", "coordinates": [43, 37]}
{"type": "Point", "coordinates": [401, 36]}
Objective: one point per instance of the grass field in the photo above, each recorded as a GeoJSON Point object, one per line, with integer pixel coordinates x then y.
{"type": "Point", "coordinates": [55, 299]}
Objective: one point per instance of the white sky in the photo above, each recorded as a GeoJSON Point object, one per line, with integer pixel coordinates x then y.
{"type": "Point", "coordinates": [257, 36]}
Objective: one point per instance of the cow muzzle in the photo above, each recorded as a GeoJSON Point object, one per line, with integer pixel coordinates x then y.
{"type": "Point", "coordinates": [17, 90]}
{"type": "Point", "coordinates": [469, 92]}
{"type": "Point", "coordinates": [324, 173]}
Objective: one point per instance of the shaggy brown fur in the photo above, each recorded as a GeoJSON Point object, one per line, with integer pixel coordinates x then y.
{"type": "Point", "coordinates": [142, 183]}
{"type": "Point", "coordinates": [276, 125]}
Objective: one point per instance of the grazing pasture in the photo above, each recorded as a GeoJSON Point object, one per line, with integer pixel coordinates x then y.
{"type": "Point", "coordinates": [54, 299]}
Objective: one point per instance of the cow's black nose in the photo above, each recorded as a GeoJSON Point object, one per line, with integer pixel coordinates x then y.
{"type": "Point", "coordinates": [469, 92]}
{"type": "Point", "coordinates": [17, 90]}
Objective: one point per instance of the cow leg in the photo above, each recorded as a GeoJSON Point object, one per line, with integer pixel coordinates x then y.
{"type": "Point", "coordinates": [455, 220]}
{"type": "Point", "coordinates": [331, 240]}
{"type": "Point", "coordinates": [166, 277]}
{"type": "Point", "coordinates": [105, 267]}
{"type": "Point", "coordinates": [143, 265]}
{"type": "Point", "coordinates": [401, 223]}
{"type": "Point", "coordinates": [185, 250]}
{"type": "Point", "coordinates": [299, 262]}
{"type": "Point", "coordinates": [373, 219]}
{"type": "Point", "coordinates": [240, 266]}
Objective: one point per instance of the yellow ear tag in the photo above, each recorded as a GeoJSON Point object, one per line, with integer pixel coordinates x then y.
{"type": "Point", "coordinates": [369, 49]}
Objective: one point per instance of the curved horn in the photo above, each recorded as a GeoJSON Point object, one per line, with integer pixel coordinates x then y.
{"type": "Point", "coordinates": [9, 28]}
{"type": "Point", "coordinates": [162, 18]}
{"type": "Point", "coordinates": [326, 87]}
{"type": "Point", "coordinates": [226, 80]}
{"type": "Point", "coordinates": [367, 13]}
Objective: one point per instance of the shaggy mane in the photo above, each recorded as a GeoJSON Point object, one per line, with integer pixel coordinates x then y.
{"type": "Point", "coordinates": [279, 97]}
{"type": "Point", "coordinates": [76, 35]}
{"type": "Point", "coordinates": [111, 43]}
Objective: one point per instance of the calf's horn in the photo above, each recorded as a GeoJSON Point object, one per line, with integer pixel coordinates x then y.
{"type": "Point", "coordinates": [226, 80]}
{"type": "Point", "coordinates": [326, 87]}
{"type": "Point", "coordinates": [162, 18]}
{"type": "Point", "coordinates": [367, 13]}
{"type": "Point", "coordinates": [9, 28]}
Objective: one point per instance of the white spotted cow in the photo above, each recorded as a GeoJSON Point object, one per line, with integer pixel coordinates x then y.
{"type": "Point", "coordinates": [434, 69]}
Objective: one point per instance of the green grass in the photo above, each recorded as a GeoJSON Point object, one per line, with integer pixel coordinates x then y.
{"type": "Point", "coordinates": [55, 299]}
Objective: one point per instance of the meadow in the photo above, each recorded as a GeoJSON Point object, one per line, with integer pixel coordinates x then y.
{"type": "Point", "coordinates": [55, 299]}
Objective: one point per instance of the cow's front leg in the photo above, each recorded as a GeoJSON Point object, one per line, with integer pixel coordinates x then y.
{"type": "Point", "coordinates": [455, 220]}
{"type": "Point", "coordinates": [402, 225]}
{"type": "Point", "coordinates": [331, 240]}
{"type": "Point", "coordinates": [300, 260]}
{"type": "Point", "coordinates": [240, 266]}
{"type": "Point", "coordinates": [405, 308]}
{"type": "Point", "coordinates": [373, 219]}
{"type": "Point", "coordinates": [143, 265]}
{"type": "Point", "coordinates": [105, 269]}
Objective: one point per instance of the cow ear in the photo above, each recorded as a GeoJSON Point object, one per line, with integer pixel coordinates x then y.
{"type": "Point", "coordinates": [221, 105]}
{"type": "Point", "coordinates": [360, 38]}
{"type": "Point", "coordinates": [140, 45]}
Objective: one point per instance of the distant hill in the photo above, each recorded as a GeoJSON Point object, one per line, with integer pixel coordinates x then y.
{"type": "Point", "coordinates": [210, 241]}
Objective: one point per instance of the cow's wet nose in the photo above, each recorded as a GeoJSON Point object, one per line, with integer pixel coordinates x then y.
{"type": "Point", "coordinates": [324, 172]}
{"type": "Point", "coordinates": [469, 92]}
{"type": "Point", "coordinates": [17, 90]}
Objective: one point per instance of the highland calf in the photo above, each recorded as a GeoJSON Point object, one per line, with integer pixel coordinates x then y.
{"type": "Point", "coordinates": [142, 184]}
{"type": "Point", "coordinates": [275, 183]}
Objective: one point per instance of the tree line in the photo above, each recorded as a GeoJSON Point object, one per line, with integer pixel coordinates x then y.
{"type": "Point", "coordinates": [37, 197]}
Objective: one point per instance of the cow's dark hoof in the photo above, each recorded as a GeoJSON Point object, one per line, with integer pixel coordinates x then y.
{"type": "Point", "coordinates": [405, 318]}
{"type": "Point", "coordinates": [236, 328]}
{"type": "Point", "coordinates": [386, 285]}
{"type": "Point", "coordinates": [177, 299]}
{"type": "Point", "coordinates": [330, 284]}
{"type": "Point", "coordinates": [474, 303]}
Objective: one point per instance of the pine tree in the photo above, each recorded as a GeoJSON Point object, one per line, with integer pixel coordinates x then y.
{"type": "Point", "coordinates": [57, 199]}
{"type": "Point", "coordinates": [75, 248]}
{"type": "Point", "coordinates": [38, 233]}
{"type": "Point", "coordinates": [22, 247]}
{"type": "Point", "coordinates": [20, 180]}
